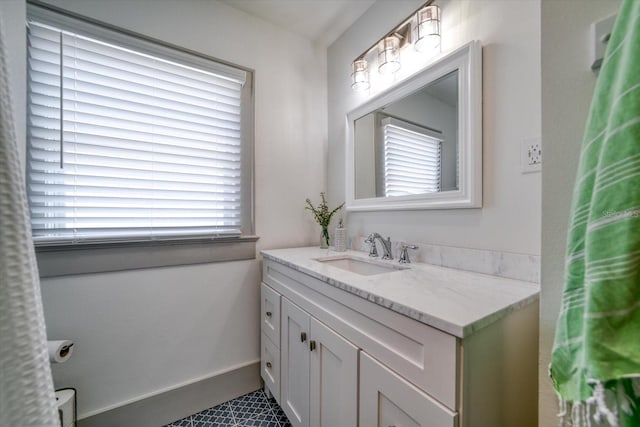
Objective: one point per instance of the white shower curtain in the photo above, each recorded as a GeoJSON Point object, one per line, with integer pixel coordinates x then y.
{"type": "Point", "coordinates": [27, 397]}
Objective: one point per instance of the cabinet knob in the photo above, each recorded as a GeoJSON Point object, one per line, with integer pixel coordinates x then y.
{"type": "Point", "coordinates": [312, 345]}
{"type": "Point", "coordinates": [303, 336]}
{"type": "Point", "coordinates": [268, 313]}
{"type": "Point", "coordinates": [269, 365]}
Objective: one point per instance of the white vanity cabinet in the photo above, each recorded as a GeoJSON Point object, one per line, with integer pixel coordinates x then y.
{"type": "Point", "coordinates": [348, 361]}
{"type": "Point", "coordinates": [319, 372]}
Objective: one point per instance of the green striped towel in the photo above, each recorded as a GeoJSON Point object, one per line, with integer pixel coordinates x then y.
{"type": "Point", "coordinates": [595, 365]}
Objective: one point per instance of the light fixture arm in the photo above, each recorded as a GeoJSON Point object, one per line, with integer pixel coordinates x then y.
{"type": "Point", "coordinates": [402, 32]}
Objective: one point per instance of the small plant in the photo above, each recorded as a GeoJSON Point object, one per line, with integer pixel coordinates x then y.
{"type": "Point", "coordinates": [323, 216]}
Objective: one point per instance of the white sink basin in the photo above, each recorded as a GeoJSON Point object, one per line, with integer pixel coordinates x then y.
{"type": "Point", "coordinates": [358, 265]}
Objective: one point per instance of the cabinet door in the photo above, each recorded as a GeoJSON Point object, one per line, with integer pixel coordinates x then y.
{"type": "Point", "coordinates": [334, 379]}
{"type": "Point", "coordinates": [387, 399]}
{"type": "Point", "coordinates": [294, 368]}
{"type": "Point", "coordinates": [270, 313]}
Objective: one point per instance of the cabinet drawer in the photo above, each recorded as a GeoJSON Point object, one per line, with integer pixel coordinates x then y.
{"type": "Point", "coordinates": [270, 366]}
{"type": "Point", "coordinates": [386, 399]}
{"type": "Point", "coordinates": [270, 313]}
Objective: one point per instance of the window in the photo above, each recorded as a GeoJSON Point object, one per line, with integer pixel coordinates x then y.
{"type": "Point", "coordinates": [412, 159]}
{"type": "Point", "coordinates": [131, 140]}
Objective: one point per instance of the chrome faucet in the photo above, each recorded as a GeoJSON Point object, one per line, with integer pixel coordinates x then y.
{"type": "Point", "coordinates": [386, 245]}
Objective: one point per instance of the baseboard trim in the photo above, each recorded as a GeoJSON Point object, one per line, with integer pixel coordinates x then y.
{"type": "Point", "coordinates": [163, 408]}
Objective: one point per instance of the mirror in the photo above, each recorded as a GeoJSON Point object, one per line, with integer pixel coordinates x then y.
{"type": "Point", "coordinates": [411, 145]}
{"type": "Point", "coordinates": [418, 145]}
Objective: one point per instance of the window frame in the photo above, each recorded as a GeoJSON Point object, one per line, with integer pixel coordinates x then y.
{"type": "Point", "coordinates": [53, 259]}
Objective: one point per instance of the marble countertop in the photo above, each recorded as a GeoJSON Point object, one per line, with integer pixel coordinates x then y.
{"type": "Point", "coordinates": [455, 301]}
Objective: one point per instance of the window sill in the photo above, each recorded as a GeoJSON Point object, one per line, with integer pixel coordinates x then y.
{"type": "Point", "coordinates": [98, 258]}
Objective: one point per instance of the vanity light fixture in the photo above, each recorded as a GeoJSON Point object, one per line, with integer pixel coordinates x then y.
{"type": "Point", "coordinates": [389, 55]}
{"type": "Point", "coordinates": [360, 75]}
{"type": "Point", "coordinates": [428, 29]}
{"type": "Point", "coordinates": [421, 28]}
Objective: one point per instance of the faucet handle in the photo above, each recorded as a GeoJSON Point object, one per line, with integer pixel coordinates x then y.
{"type": "Point", "coordinates": [404, 253]}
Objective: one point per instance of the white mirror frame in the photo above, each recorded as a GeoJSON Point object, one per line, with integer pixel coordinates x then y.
{"type": "Point", "coordinates": [468, 61]}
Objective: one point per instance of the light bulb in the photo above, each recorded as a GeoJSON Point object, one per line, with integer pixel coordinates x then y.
{"type": "Point", "coordinates": [360, 75]}
{"type": "Point", "coordinates": [388, 55]}
{"type": "Point", "coordinates": [428, 29]}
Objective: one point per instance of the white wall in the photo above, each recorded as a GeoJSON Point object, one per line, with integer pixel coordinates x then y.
{"type": "Point", "coordinates": [567, 88]}
{"type": "Point", "coordinates": [140, 332]}
{"type": "Point", "coordinates": [510, 34]}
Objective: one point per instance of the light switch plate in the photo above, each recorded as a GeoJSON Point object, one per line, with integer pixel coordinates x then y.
{"type": "Point", "coordinates": [600, 33]}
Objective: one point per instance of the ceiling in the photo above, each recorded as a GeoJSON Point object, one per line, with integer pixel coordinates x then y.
{"type": "Point", "coordinates": [321, 21]}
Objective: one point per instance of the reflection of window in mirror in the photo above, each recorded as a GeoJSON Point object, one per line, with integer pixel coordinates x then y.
{"type": "Point", "coordinates": [399, 170]}
{"type": "Point", "coordinates": [412, 158]}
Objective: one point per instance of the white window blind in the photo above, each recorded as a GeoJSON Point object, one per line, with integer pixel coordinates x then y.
{"type": "Point", "coordinates": [412, 159]}
{"type": "Point", "coordinates": [124, 145]}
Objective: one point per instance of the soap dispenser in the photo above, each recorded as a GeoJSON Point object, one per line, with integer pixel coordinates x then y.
{"type": "Point", "coordinates": [340, 238]}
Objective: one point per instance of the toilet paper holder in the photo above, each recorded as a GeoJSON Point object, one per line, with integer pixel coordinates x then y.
{"type": "Point", "coordinates": [59, 351]}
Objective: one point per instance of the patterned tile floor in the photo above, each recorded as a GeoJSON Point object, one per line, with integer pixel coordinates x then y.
{"type": "Point", "coordinates": [250, 410]}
